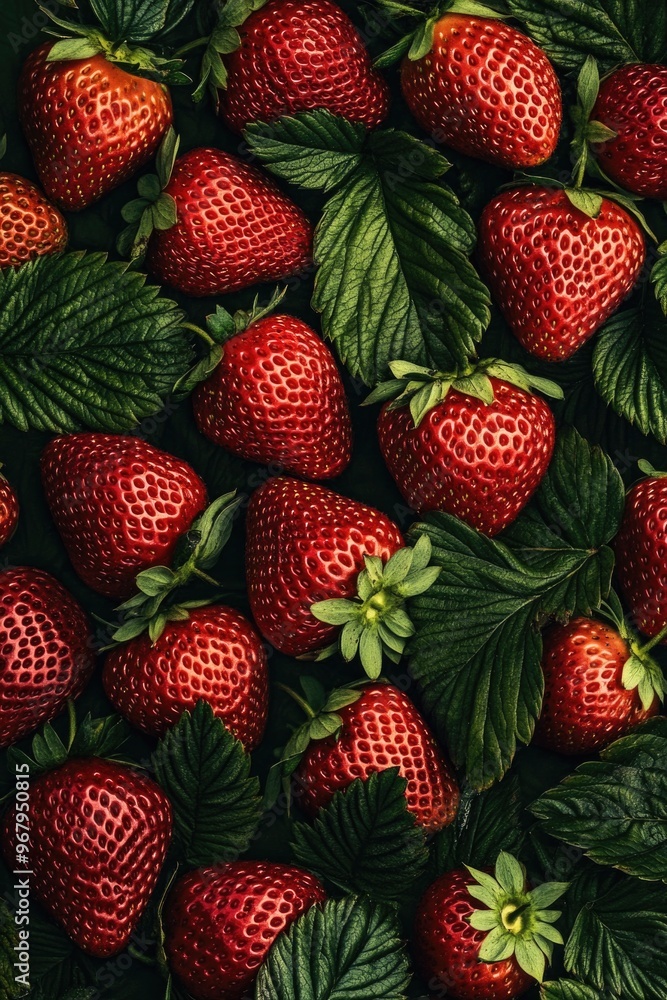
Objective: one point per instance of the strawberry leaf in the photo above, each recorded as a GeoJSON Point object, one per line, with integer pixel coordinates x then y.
{"type": "Point", "coordinates": [56, 965]}
{"type": "Point", "coordinates": [85, 343]}
{"type": "Point", "coordinates": [630, 369]}
{"type": "Point", "coordinates": [139, 20]}
{"type": "Point", "coordinates": [617, 943]}
{"type": "Point", "coordinates": [477, 650]}
{"type": "Point", "coordinates": [206, 773]}
{"type": "Point", "coordinates": [10, 987]}
{"type": "Point", "coordinates": [394, 279]}
{"type": "Point", "coordinates": [613, 31]}
{"type": "Point", "coordinates": [615, 808]}
{"type": "Point", "coordinates": [347, 948]}
{"type": "Point", "coordinates": [486, 823]}
{"type": "Point", "coordinates": [365, 840]}
{"type": "Point", "coordinates": [566, 989]}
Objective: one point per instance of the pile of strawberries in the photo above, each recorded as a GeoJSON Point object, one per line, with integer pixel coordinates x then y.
{"type": "Point", "coordinates": [326, 576]}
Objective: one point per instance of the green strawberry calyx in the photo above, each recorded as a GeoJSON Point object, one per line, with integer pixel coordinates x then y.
{"type": "Point", "coordinates": [641, 672]}
{"type": "Point", "coordinates": [518, 921]}
{"type": "Point", "coordinates": [418, 43]}
{"type": "Point", "coordinates": [375, 622]}
{"type": "Point", "coordinates": [648, 470]}
{"type": "Point", "coordinates": [154, 208]}
{"type": "Point", "coordinates": [424, 388]}
{"type": "Point", "coordinates": [110, 39]}
{"type": "Point", "coordinates": [197, 551]}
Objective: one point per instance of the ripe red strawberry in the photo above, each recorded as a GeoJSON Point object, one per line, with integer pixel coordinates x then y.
{"type": "Point", "coordinates": [29, 224]}
{"type": "Point", "coordinates": [556, 273]}
{"type": "Point", "coordinates": [214, 655]}
{"type": "Point", "coordinates": [306, 544]}
{"type": "Point", "coordinates": [486, 90]}
{"type": "Point", "coordinates": [46, 650]}
{"type": "Point", "coordinates": [297, 56]}
{"type": "Point", "coordinates": [235, 228]}
{"type": "Point", "coordinates": [478, 453]}
{"type": "Point", "coordinates": [588, 700]}
{"type": "Point", "coordinates": [220, 923]}
{"type": "Point", "coordinates": [89, 124]}
{"type": "Point", "coordinates": [640, 552]}
{"type": "Point", "coordinates": [120, 505]}
{"type": "Point", "coordinates": [633, 103]}
{"type": "Point", "coordinates": [9, 510]}
{"type": "Point", "coordinates": [381, 729]}
{"type": "Point", "coordinates": [99, 834]}
{"type": "Point", "coordinates": [277, 397]}
{"type": "Point", "coordinates": [471, 952]}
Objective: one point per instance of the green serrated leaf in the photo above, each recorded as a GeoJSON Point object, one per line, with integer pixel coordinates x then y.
{"type": "Point", "coordinates": [567, 989]}
{"type": "Point", "coordinates": [348, 948]}
{"type": "Point", "coordinates": [659, 280]}
{"type": "Point", "coordinates": [206, 774]}
{"type": "Point", "coordinates": [587, 202]}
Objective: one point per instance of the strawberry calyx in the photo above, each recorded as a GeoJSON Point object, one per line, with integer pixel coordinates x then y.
{"type": "Point", "coordinates": [375, 622]}
{"type": "Point", "coordinates": [518, 921]}
{"type": "Point", "coordinates": [198, 550]}
{"type": "Point", "coordinates": [648, 469]}
{"type": "Point", "coordinates": [222, 326]}
{"type": "Point", "coordinates": [154, 208]}
{"type": "Point", "coordinates": [424, 388]}
{"type": "Point", "coordinates": [419, 41]}
{"type": "Point", "coordinates": [110, 39]}
{"type": "Point", "coordinates": [641, 672]}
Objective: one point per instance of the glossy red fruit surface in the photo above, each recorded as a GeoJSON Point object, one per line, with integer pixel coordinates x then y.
{"type": "Point", "coordinates": [557, 274]}
{"type": "Point", "coordinates": [46, 650]}
{"type": "Point", "coordinates": [306, 544]}
{"type": "Point", "coordinates": [220, 923]}
{"type": "Point", "coordinates": [89, 124]}
{"type": "Point", "coordinates": [120, 505]}
{"type": "Point", "coordinates": [481, 462]}
{"type": "Point", "coordinates": [382, 729]}
{"type": "Point", "coordinates": [585, 704]}
{"type": "Point", "coordinates": [30, 226]}
{"type": "Point", "coordinates": [99, 834]}
{"type": "Point", "coordinates": [215, 655]}
{"type": "Point", "coordinates": [633, 103]}
{"type": "Point", "coordinates": [486, 90]}
{"type": "Point", "coordinates": [446, 947]}
{"type": "Point", "coordinates": [9, 510]}
{"type": "Point", "coordinates": [295, 56]}
{"type": "Point", "coordinates": [235, 228]}
{"type": "Point", "coordinates": [640, 554]}
{"type": "Point", "coordinates": [277, 398]}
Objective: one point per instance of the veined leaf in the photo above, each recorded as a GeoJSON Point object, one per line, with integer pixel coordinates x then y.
{"type": "Point", "coordinates": [617, 943]}
{"type": "Point", "coordinates": [567, 989]}
{"type": "Point", "coordinates": [206, 774]}
{"type": "Point", "coordinates": [347, 949]}
{"type": "Point", "coordinates": [614, 31]}
{"type": "Point", "coordinates": [486, 824]}
{"type": "Point", "coordinates": [615, 808]}
{"type": "Point", "coordinates": [56, 965]}
{"type": "Point", "coordinates": [393, 279]}
{"type": "Point", "coordinates": [630, 368]}
{"type": "Point", "coordinates": [9, 987]}
{"type": "Point", "coordinates": [85, 343]}
{"type": "Point", "coordinates": [138, 20]}
{"type": "Point", "coordinates": [477, 650]}
{"type": "Point", "coordinates": [365, 840]}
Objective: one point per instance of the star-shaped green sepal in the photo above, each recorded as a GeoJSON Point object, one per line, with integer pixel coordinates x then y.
{"type": "Point", "coordinates": [517, 920]}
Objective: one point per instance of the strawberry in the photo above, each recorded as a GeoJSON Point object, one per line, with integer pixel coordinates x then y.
{"type": "Point", "coordinates": [491, 953]}
{"type": "Point", "coordinates": [277, 397]}
{"type": "Point", "coordinates": [221, 921]}
{"type": "Point", "coordinates": [599, 684]}
{"type": "Point", "coordinates": [120, 505]}
{"type": "Point", "coordinates": [99, 834]}
{"type": "Point", "coordinates": [475, 445]}
{"type": "Point", "coordinates": [640, 552]}
{"type": "Point", "coordinates": [29, 224]}
{"type": "Point", "coordinates": [556, 273]}
{"type": "Point", "coordinates": [373, 729]}
{"type": "Point", "coordinates": [234, 228]}
{"type": "Point", "coordinates": [485, 89]}
{"type": "Point", "coordinates": [46, 650]}
{"type": "Point", "coordinates": [296, 56]}
{"type": "Point", "coordinates": [306, 544]}
{"type": "Point", "coordinates": [214, 654]}
{"type": "Point", "coordinates": [9, 510]}
{"type": "Point", "coordinates": [89, 124]}
{"type": "Point", "coordinates": [633, 103]}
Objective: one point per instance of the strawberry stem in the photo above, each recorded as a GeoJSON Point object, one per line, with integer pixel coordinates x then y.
{"type": "Point", "coordinates": [71, 718]}
{"type": "Point", "coordinates": [301, 702]}
{"type": "Point", "coordinates": [204, 576]}
{"type": "Point", "coordinates": [190, 46]}
{"type": "Point", "coordinates": [655, 641]}
{"type": "Point", "coordinates": [200, 333]}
